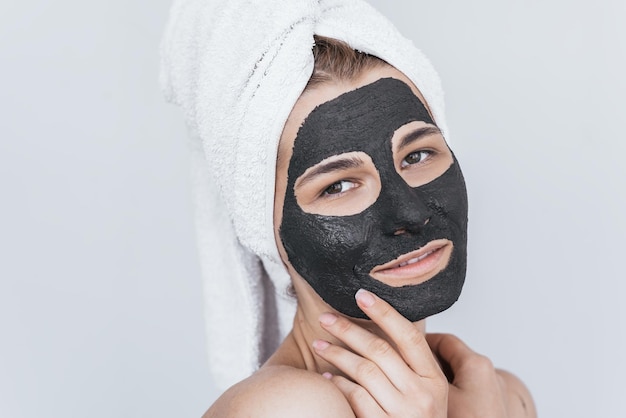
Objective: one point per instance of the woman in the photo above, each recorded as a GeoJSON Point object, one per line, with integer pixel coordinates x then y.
{"type": "Point", "coordinates": [369, 218]}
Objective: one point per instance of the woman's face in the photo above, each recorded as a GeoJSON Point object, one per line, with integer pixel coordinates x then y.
{"type": "Point", "coordinates": [368, 195]}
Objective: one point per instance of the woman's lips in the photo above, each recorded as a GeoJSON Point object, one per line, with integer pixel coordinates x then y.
{"type": "Point", "coordinates": [415, 267]}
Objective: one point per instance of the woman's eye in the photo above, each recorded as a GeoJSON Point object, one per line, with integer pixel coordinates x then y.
{"type": "Point", "coordinates": [415, 157]}
{"type": "Point", "coordinates": [339, 187]}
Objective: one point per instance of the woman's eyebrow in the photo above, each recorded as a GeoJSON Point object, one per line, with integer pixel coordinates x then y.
{"type": "Point", "coordinates": [418, 134]}
{"type": "Point", "coordinates": [323, 168]}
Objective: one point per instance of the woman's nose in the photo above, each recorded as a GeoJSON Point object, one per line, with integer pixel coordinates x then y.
{"type": "Point", "coordinates": [403, 210]}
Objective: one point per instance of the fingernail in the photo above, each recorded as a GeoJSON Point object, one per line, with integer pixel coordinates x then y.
{"type": "Point", "coordinates": [365, 298]}
{"type": "Point", "coordinates": [328, 318]}
{"type": "Point", "coordinates": [327, 375]}
{"type": "Point", "coordinates": [320, 345]}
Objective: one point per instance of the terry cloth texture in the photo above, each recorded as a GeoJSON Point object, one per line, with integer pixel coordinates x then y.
{"type": "Point", "coordinates": [236, 68]}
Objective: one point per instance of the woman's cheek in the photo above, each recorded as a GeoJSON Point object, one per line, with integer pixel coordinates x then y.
{"type": "Point", "coordinates": [331, 242]}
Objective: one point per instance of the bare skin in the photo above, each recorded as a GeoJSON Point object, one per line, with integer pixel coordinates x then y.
{"type": "Point", "coordinates": [331, 365]}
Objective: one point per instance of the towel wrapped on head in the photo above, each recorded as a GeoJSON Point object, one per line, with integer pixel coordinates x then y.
{"type": "Point", "coordinates": [236, 68]}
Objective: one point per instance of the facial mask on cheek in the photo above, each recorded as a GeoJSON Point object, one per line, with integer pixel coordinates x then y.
{"type": "Point", "coordinates": [335, 254]}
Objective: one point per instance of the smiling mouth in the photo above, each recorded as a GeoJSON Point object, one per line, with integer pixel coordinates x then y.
{"type": "Point", "coordinates": [417, 266]}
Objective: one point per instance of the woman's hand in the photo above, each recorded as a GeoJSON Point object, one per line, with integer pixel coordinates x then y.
{"type": "Point", "coordinates": [477, 388]}
{"type": "Point", "coordinates": [401, 380]}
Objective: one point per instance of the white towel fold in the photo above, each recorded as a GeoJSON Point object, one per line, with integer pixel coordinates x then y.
{"type": "Point", "coordinates": [237, 67]}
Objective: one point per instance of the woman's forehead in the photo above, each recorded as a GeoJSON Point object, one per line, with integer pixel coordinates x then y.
{"type": "Point", "coordinates": [325, 92]}
{"type": "Point", "coordinates": [364, 119]}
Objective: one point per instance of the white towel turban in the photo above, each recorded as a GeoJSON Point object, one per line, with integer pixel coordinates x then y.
{"type": "Point", "coordinates": [236, 68]}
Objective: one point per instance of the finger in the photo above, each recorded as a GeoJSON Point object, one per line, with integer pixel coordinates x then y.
{"type": "Point", "coordinates": [466, 365]}
{"type": "Point", "coordinates": [410, 341]}
{"type": "Point", "coordinates": [370, 346]}
{"type": "Point", "coordinates": [360, 400]}
{"type": "Point", "coordinates": [363, 371]}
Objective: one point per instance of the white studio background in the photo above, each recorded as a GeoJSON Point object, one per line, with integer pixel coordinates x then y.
{"type": "Point", "coordinates": [100, 303]}
{"type": "Point", "coordinates": [100, 290]}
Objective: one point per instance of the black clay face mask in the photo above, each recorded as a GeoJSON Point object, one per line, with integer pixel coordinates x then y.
{"type": "Point", "coordinates": [335, 254]}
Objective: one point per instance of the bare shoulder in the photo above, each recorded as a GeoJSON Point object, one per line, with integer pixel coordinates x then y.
{"type": "Point", "coordinates": [281, 391]}
{"type": "Point", "coordinates": [521, 403]}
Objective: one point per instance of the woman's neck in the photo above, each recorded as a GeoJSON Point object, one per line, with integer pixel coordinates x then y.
{"type": "Point", "coordinates": [297, 351]}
